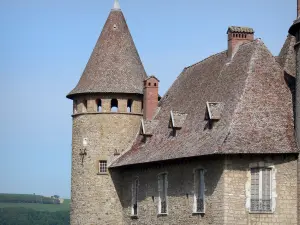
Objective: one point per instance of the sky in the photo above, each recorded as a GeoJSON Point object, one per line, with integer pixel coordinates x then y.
{"type": "Point", "coordinates": [45, 45]}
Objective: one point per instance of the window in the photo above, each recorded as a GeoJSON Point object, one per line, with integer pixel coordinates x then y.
{"type": "Point", "coordinates": [75, 106]}
{"type": "Point", "coordinates": [199, 191]}
{"type": "Point", "coordinates": [102, 166]}
{"type": "Point", "coordinates": [162, 192]}
{"type": "Point", "coordinates": [99, 105]}
{"type": "Point", "coordinates": [84, 106]}
{"type": "Point", "coordinates": [135, 187]}
{"type": "Point", "coordinates": [129, 105]}
{"type": "Point", "coordinates": [261, 190]}
{"type": "Point", "coordinates": [114, 105]}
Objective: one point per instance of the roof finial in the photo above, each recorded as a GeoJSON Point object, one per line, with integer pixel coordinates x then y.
{"type": "Point", "coordinates": [116, 5]}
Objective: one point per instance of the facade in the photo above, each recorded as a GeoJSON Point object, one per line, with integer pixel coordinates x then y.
{"type": "Point", "coordinates": [220, 147]}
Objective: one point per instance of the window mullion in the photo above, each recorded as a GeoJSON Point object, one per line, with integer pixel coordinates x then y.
{"type": "Point", "coordinates": [260, 188]}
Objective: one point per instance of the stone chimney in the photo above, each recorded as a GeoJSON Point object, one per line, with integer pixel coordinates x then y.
{"type": "Point", "coordinates": [150, 97]}
{"type": "Point", "coordinates": [238, 36]}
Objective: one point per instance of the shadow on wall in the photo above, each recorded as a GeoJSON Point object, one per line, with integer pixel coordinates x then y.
{"type": "Point", "coordinates": [180, 175]}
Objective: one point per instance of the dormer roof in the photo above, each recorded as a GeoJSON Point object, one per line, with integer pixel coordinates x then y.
{"type": "Point", "coordinates": [214, 110]}
{"type": "Point", "coordinates": [177, 119]}
{"type": "Point", "coordinates": [148, 126]}
{"type": "Point", "coordinates": [114, 65]}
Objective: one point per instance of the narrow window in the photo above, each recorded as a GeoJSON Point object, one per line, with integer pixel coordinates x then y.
{"type": "Point", "coordinates": [154, 84]}
{"type": "Point", "coordinates": [261, 186]}
{"type": "Point", "coordinates": [135, 187]}
{"type": "Point", "coordinates": [162, 191]}
{"type": "Point", "coordinates": [84, 106]}
{"type": "Point", "coordinates": [75, 106]}
{"type": "Point", "coordinates": [114, 105]}
{"type": "Point", "coordinates": [149, 84]}
{"type": "Point", "coordinates": [102, 166]}
{"type": "Point", "coordinates": [199, 191]}
{"type": "Point", "coordinates": [129, 105]}
{"type": "Point", "coordinates": [99, 105]}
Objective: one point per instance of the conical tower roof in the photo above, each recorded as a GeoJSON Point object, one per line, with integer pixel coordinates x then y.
{"type": "Point", "coordinates": [115, 65]}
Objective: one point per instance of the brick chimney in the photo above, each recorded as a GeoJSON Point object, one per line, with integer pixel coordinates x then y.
{"type": "Point", "coordinates": [150, 97]}
{"type": "Point", "coordinates": [238, 36]}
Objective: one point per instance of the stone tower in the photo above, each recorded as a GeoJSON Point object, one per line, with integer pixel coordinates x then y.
{"type": "Point", "coordinates": [107, 112]}
{"type": "Point", "coordinates": [295, 31]}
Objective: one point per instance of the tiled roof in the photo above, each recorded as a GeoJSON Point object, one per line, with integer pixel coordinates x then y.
{"type": "Point", "coordinates": [236, 29]}
{"type": "Point", "coordinates": [257, 116]}
{"type": "Point", "coordinates": [114, 66]}
{"type": "Point", "coordinates": [287, 56]}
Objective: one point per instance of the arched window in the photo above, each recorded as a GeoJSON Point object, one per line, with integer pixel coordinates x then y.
{"type": "Point", "coordinates": [149, 84]}
{"type": "Point", "coordinates": [154, 84]}
{"type": "Point", "coordinates": [84, 109]}
{"type": "Point", "coordinates": [99, 105]}
{"type": "Point", "coordinates": [74, 106]}
{"type": "Point", "coordinates": [114, 105]}
{"type": "Point", "coordinates": [129, 105]}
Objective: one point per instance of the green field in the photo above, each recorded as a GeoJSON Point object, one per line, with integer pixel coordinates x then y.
{"type": "Point", "coordinates": [39, 207]}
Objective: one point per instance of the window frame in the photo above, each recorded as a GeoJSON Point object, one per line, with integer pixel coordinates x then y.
{"type": "Point", "coordinates": [99, 167]}
{"type": "Point", "coordinates": [197, 182]}
{"type": "Point", "coordinates": [273, 195]}
{"type": "Point", "coordinates": [134, 197]}
{"type": "Point", "coordinates": [165, 191]}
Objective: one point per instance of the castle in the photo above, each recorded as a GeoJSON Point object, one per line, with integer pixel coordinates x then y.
{"type": "Point", "coordinates": [220, 147]}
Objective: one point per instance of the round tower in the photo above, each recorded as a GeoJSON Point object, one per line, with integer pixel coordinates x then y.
{"type": "Point", "coordinates": [295, 31]}
{"type": "Point", "coordinates": [107, 110]}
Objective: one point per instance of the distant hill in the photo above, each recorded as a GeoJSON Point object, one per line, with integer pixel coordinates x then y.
{"type": "Point", "coordinates": [25, 209]}
{"type": "Point", "coordinates": [35, 202]}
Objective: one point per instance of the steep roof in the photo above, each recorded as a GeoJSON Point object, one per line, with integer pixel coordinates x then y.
{"type": "Point", "coordinates": [287, 56]}
{"type": "Point", "coordinates": [257, 116]}
{"type": "Point", "coordinates": [115, 65]}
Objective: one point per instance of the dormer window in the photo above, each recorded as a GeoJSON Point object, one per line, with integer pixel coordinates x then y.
{"type": "Point", "coordinates": [176, 121]}
{"type": "Point", "coordinates": [214, 110]}
{"type": "Point", "coordinates": [148, 127]}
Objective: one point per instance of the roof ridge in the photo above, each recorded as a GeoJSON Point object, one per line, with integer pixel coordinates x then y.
{"type": "Point", "coordinates": [250, 67]}
{"type": "Point", "coordinates": [219, 53]}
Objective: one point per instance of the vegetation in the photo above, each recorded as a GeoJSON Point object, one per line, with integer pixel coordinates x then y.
{"type": "Point", "coordinates": [18, 209]}
{"type": "Point", "coordinates": [20, 198]}
{"type": "Point", "coordinates": [25, 216]}
{"type": "Point", "coordinates": [39, 207]}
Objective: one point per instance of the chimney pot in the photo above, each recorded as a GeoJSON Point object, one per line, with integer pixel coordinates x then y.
{"type": "Point", "coordinates": [238, 36]}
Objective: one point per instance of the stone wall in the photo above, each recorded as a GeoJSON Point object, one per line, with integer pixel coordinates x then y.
{"type": "Point", "coordinates": [95, 197]}
{"type": "Point", "coordinates": [226, 190]}
{"type": "Point", "coordinates": [237, 179]}
{"type": "Point", "coordinates": [180, 193]}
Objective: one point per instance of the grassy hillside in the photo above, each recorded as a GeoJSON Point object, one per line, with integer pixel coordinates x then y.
{"type": "Point", "coordinates": [39, 207]}
{"type": "Point", "coordinates": [65, 206]}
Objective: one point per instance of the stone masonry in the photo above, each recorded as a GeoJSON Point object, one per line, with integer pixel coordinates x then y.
{"type": "Point", "coordinates": [108, 134]}
{"type": "Point", "coordinates": [226, 189]}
